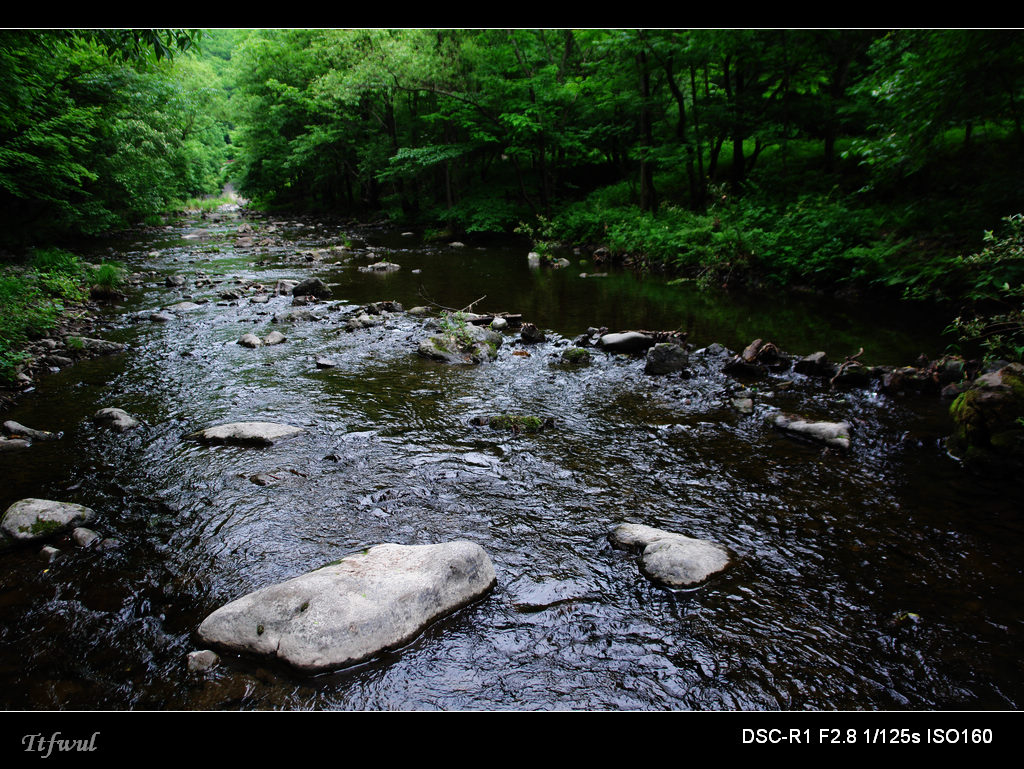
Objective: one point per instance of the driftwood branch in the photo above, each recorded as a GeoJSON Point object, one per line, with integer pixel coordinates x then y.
{"type": "Point", "coordinates": [850, 360]}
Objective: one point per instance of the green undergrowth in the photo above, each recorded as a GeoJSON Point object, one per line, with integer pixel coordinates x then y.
{"type": "Point", "coordinates": [35, 293]}
{"type": "Point", "coordinates": [207, 204]}
{"type": "Point", "coordinates": [815, 240]}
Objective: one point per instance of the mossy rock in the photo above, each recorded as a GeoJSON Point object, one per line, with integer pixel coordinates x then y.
{"type": "Point", "coordinates": [28, 520]}
{"type": "Point", "coordinates": [578, 356]}
{"type": "Point", "coordinates": [516, 423]}
{"type": "Point", "coordinates": [988, 418]}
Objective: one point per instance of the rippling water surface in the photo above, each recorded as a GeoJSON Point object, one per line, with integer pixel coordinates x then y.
{"type": "Point", "coordinates": [885, 578]}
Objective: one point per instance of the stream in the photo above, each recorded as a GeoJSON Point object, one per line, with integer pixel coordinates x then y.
{"type": "Point", "coordinates": [883, 578]}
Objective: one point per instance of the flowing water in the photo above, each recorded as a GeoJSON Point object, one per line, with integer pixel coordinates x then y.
{"type": "Point", "coordinates": [882, 578]}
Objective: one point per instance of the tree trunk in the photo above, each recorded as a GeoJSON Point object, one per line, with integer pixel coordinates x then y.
{"type": "Point", "coordinates": [648, 196]}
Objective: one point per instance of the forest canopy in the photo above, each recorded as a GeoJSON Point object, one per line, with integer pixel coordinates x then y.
{"type": "Point", "coordinates": [834, 158]}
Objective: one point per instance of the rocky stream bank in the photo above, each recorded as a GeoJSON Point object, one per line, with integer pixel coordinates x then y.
{"type": "Point", "coordinates": [369, 486]}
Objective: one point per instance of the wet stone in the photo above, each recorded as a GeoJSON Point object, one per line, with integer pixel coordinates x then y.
{"type": "Point", "coordinates": [16, 430]}
{"type": "Point", "coordinates": [833, 434]}
{"type": "Point", "coordinates": [351, 610]}
{"type": "Point", "coordinates": [246, 433]}
{"type": "Point", "coordinates": [628, 342]}
{"type": "Point", "coordinates": [666, 358]}
{"type": "Point", "coordinates": [116, 419]}
{"type": "Point", "coordinates": [670, 559]}
{"type": "Point", "coordinates": [312, 287]}
{"type": "Point", "coordinates": [203, 660]}
{"type": "Point", "coordinates": [84, 537]}
{"type": "Point", "coordinates": [28, 520]}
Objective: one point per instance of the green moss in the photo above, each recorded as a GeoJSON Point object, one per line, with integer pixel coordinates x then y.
{"type": "Point", "coordinates": [519, 424]}
{"type": "Point", "coordinates": [576, 355]}
{"type": "Point", "coordinates": [41, 528]}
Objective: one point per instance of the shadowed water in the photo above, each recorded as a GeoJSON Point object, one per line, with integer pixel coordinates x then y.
{"type": "Point", "coordinates": [884, 578]}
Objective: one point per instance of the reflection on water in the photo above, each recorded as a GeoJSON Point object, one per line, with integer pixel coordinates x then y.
{"type": "Point", "coordinates": [881, 579]}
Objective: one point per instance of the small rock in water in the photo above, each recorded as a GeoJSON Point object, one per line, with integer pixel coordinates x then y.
{"type": "Point", "coordinates": [834, 434]}
{"type": "Point", "coordinates": [16, 430]}
{"type": "Point", "coordinates": [84, 537]}
{"type": "Point", "coordinates": [629, 341]}
{"type": "Point", "coordinates": [743, 405]}
{"type": "Point", "coordinates": [201, 661]}
{"type": "Point", "coordinates": [274, 337]}
{"type": "Point", "coordinates": [116, 419]}
{"type": "Point", "coordinates": [666, 358]}
{"type": "Point", "coordinates": [312, 287]}
{"type": "Point", "coordinates": [531, 334]}
{"type": "Point", "coordinates": [252, 433]}
{"type": "Point", "coordinates": [183, 307]}
{"type": "Point", "coordinates": [250, 340]}
{"type": "Point", "coordinates": [670, 559]}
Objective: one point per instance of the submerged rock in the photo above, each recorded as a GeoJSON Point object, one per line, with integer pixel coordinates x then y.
{"type": "Point", "coordinates": [834, 434]}
{"type": "Point", "coordinates": [28, 520]}
{"type": "Point", "coordinates": [94, 346]}
{"type": "Point", "coordinates": [250, 433]}
{"type": "Point", "coordinates": [517, 423]}
{"type": "Point", "coordinates": [293, 316]}
{"type": "Point", "coordinates": [381, 267]}
{"type": "Point", "coordinates": [203, 660]}
{"type": "Point", "coordinates": [671, 559]}
{"type": "Point", "coordinates": [351, 610]}
{"type": "Point", "coordinates": [183, 307]}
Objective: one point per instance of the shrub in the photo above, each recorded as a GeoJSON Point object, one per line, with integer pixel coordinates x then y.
{"type": "Point", "coordinates": [997, 277]}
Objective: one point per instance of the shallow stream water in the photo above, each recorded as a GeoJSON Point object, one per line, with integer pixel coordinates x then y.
{"type": "Point", "coordinates": [883, 578]}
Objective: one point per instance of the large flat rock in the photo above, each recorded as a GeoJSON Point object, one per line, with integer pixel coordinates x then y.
{"type": "Point", "coordinates": [671, 559]}
{"type": "Point", "coordinates": [351, 610]}
{"type": "Point", "coordinates": [248, 433]}
{"type": "Point", "coordinates": [28, 520]}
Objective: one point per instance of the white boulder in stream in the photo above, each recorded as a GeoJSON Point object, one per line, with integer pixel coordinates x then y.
{"type": "Point", "coordinates": [31, 519]}
{"type": "Point", "coordinates": [250, 433]}
{"type": "Point", "coordinates": [673, 560]}
{"type": "Point", "coordinates": [350, 610]}
{"type": "Point", "coordinates": [834, 434]}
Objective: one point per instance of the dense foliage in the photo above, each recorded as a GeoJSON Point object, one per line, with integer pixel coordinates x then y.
{"type": "Point", "coordinates": [864, 160]}
{"type": "Point", "coordinates": [101, 128]}
{"type": "Point", "coordinates": [826, 157]}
